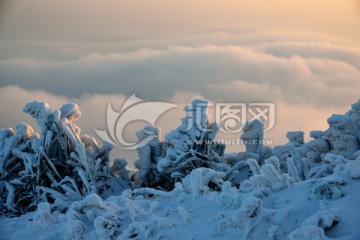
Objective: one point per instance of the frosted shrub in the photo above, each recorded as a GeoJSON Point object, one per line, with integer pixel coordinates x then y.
{"type": "Point", "coordinates": [58, 165]}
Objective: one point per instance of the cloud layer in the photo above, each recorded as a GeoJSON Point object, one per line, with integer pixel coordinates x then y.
{"type": "Point", "coordinates": [318, 73]}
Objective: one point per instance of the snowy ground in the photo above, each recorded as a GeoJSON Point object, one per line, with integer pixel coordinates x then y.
{"type": "Point", "coordinates": [296, 191]}
{"type": "Point", "coordinates": [305, 210]}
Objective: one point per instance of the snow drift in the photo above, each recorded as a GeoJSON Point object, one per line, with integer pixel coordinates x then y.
{"type": "Point", "coordinates": [57, 184]}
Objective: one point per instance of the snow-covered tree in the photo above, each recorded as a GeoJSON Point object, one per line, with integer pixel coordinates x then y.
{"type": "Point", "coordinates": [58, 166]}
{"type": "Point", "coordinates": [149, 155]}
{"type": "Point", "coordinates": [190, 146]}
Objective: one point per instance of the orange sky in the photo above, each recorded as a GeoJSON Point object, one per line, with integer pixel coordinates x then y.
{"type": "Point", "coordinates": [70, 20]}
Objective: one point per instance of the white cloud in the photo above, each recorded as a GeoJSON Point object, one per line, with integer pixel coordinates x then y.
{"type": "Point", "coordinates": [316, 50]}
{"type": "Point", "coordinates": [216, 72]}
